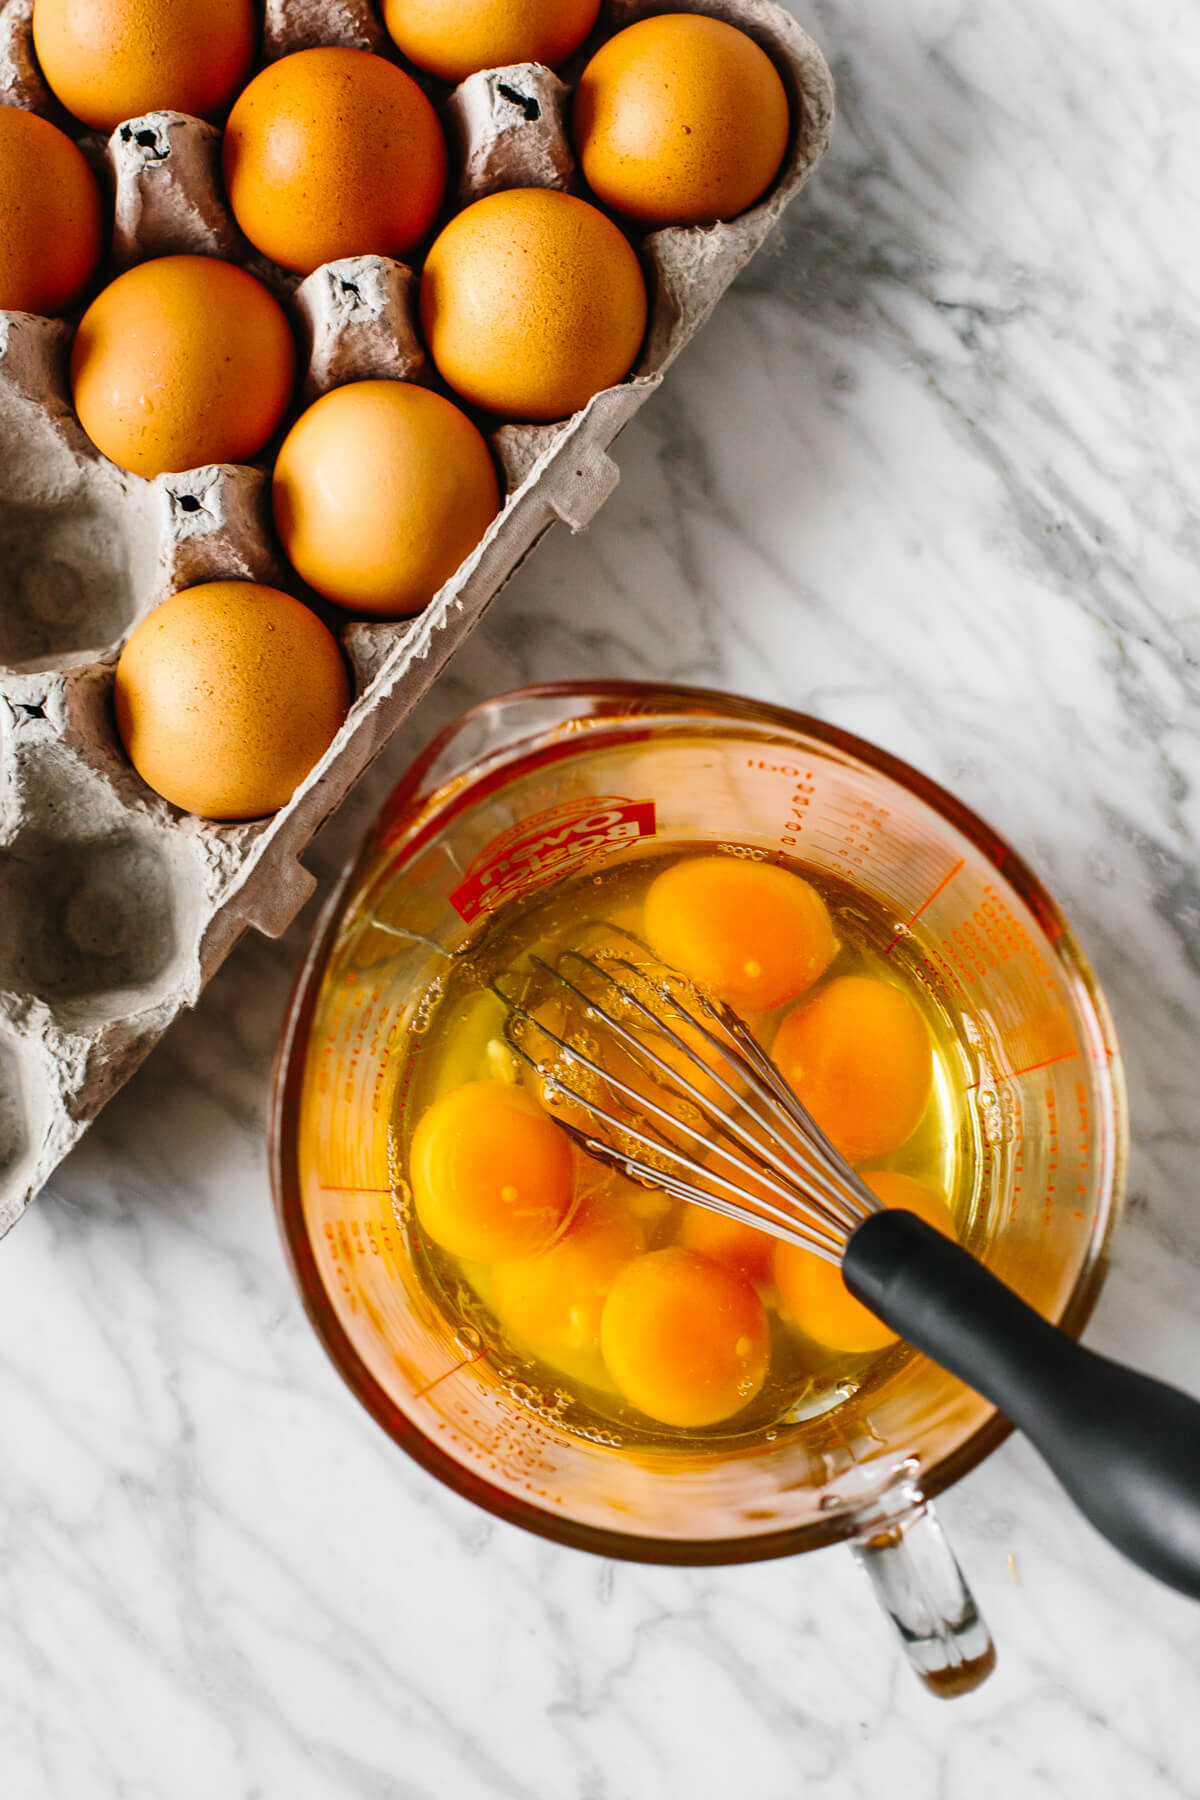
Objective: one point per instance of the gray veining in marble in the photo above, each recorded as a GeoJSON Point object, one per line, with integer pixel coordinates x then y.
{"type": "Point", "coordinates": [932, 473]}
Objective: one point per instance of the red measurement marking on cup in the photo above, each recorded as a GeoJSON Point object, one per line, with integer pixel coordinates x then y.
{"type": "Point", "coordinates": [357, 1187]}
{"type": "Point", "coordinates": [466, 1363]}
{"type": "Point", "coordinates": [1051, 1104]}
{"type": "Point", "coordinates": [353, 1034]}
{"type": "Point", "coordinates": [990, 937]}
{"type": "Point", "coordinates": [849, 834]}
{"type": "Point", "coordinates": [941, 887]}
{"type": "Point", "coordinates": [1014, 1205]}
{"type": "Point", "coordinates": [339, 1252]}
{"type": "Point", "coordinates": [1047, 1062]}
{"type": "Point", "coordinates": [803, 783]}
{"type": "Point", "coordinates": [1084, 1152]}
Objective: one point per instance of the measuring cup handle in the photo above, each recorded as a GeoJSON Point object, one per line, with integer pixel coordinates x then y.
{"type": "Point", "coordinates": [918, 1583]}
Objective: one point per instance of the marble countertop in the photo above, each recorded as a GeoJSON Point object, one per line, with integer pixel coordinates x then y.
{"type": "Point", "coordinates": [932, 473]}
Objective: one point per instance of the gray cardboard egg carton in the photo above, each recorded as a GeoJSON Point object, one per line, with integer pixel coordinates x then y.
{"type": "Point", "coordinates": [115, 909]}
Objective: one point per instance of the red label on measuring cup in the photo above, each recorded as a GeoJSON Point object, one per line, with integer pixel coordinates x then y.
{"type": "Point", "coordinates": [536, 850]}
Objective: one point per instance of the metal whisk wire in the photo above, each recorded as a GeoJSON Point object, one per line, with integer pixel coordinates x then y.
{"type": "Point", "coordinates": [1131, 1461]}
{"type": "Point", "coordinates": [784, 1176]}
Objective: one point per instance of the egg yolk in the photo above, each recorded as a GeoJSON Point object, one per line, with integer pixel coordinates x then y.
{"type": "Point", "coordinates": [491, 1175]}
{"type": "Point", "coordinates": [859, 1057]}
{"type": "Point", "coordinates": [754, 935]}
{"type": "Point", "coordinates": [815, 1297]}
{"type": "Point", "coordinates": [553, 1302]}
{"type": "Point", "coordinates": [744, 1248]}
{"type": "Point", "coordinates": [685, 1338]}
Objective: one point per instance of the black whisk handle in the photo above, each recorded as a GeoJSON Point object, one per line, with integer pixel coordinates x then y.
{"type": "Point", "coordinates": [1125, 1447]}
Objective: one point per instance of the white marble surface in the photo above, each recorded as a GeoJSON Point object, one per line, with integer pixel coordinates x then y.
{"type": "Point", "coordinates": [932, 473]}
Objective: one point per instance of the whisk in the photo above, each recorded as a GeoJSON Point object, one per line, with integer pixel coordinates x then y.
{"type": "Point", "coordinates": [655, 1079]}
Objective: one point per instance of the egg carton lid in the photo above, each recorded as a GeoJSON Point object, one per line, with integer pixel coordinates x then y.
{"type": "Point", "coordinates": [115, 909]}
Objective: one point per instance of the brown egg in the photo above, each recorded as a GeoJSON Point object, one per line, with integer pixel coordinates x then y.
{"type": "Point", "coordinates": [680, 120]}
{"type": "Point", "coordinates": [227, 695]}
{"type": "Point", "coordinates": [381, 490]}
{"type": "Point", "coordinates": [109, 60]}
{"type": "Point", "coordinates": [179, 362]}
{"type": "Point", "coordinates": [332, 153]}
{"type": "Point", "coordinates": [50, 217]}
{"type": "Point", "coordinates": [453, 38]}
{"type": "Point", "coordinates": [532, 301]}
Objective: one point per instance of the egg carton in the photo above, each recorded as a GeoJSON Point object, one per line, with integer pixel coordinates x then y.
{"type": "Point", "coordinates": [115, 908]}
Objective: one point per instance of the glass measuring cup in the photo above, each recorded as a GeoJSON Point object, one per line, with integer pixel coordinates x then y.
{"type": "Point", "coordinates": [528, 787]}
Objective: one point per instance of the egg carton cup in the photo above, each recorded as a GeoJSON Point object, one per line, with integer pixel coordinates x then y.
{"type": "Point", "coordinates": [115, 908]}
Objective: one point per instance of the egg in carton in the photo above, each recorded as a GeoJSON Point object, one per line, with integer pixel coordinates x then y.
{"type": "Point", "coordinates": [115, 908]}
